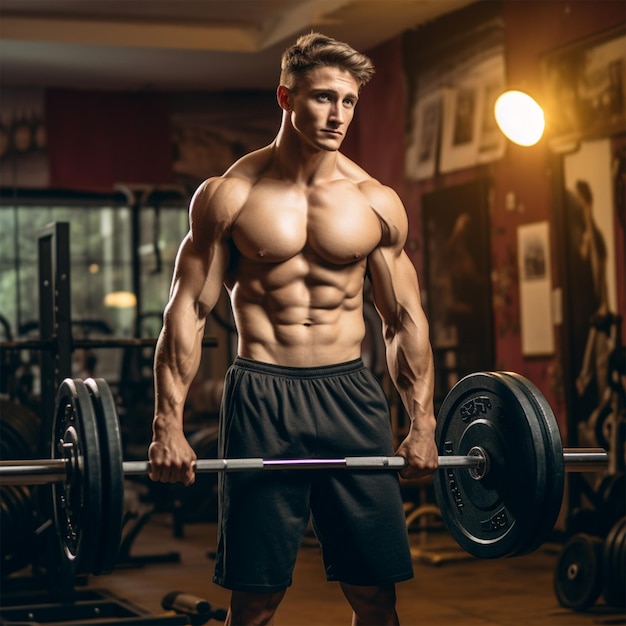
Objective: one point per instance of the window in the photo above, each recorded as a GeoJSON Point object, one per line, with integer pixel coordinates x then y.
{"type": "Point", "coordinates": [102, 261]}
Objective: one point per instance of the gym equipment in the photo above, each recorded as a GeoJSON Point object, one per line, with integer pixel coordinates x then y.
{"type": "Point", "coordinates": [614, 565]}
{"type": "Point", "coordinates": [193, 606]}
{"type": "Point", "coordinates": [578, 573]}
{"type": "Point", "coordinates": [589, 566]}
{"type": "Point", "coordinates": [499, 490]}
{"type": "Point", "coordinates": [510, 509]}
{"type": "Point", "coordinates": [25, 602]}
{"type": "Point", "coordinates": [19, 426]}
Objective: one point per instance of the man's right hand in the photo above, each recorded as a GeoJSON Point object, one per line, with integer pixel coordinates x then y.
{"type": "Point", "coordinates": [172, 459]}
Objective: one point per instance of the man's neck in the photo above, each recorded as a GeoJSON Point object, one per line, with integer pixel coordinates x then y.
{"type": "Point", "coordinates": [300, 161]}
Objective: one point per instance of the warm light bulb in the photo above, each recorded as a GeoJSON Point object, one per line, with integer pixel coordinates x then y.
{"type": "Point", "coordinates": [120, 300]}
{"type": "Point", "coordinates": [520, 118]}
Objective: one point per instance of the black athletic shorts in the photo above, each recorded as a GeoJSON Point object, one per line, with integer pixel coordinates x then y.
{"type": "Point", "coordinates": [271, 411]}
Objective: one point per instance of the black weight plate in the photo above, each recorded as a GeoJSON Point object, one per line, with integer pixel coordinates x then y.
{"type": "Point", "coordinates": [13, 445]}
{"type": "Point", "coordinates": [495, 516]}
{"type": "Point", "coordinates": [77, 503]}
{"type": "Point", "coordinates": [17, 521]}
{"type": "Point", "coordinates": [613, 587]}
{"type": "Point", "coordinates": [24, 422]}
{"type": "Point", "coordinates": [548, 514]}
{"type": "Point", "coordinates": [598, 422]}
{"type": "Point", "coordinates": [578, 572]}
{"type": "Point", "coordinates": [614, 565]}
{"type": "Point", "coordinates": [612, 499]}
{"type": "Point", "coordinates": [11, 529]}
{"type": "Point", "coordinates": [12, 545]}
{"type": "Point", "coordinates": [110, 441]}
{"type": "Point", "coordinates": [619, 567]}
{"type": "Point", "coordinates": [584, 520]}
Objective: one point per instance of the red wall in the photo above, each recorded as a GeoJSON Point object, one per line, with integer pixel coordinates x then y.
{"type": "Point", "coordinates": [532, 29]}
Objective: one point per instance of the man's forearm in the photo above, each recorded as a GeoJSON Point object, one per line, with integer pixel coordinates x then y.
{"type": "Point", "coordinates": [411, 366]}
{"type": "Point", "coordinates": [177, 359]}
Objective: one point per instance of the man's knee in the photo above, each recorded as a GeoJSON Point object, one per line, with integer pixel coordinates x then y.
{"type": "Point", "coordinates": [372, 605]}
{"type": "Point", "coordinates": [253, 609]}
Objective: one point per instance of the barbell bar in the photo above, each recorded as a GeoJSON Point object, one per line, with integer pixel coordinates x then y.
{"type": "Point", "coordinates": [499, 489]}
{"type": "Point", "coordinates": [48, 471]}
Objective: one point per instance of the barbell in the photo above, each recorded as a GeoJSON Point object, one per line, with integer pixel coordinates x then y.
{"type": "Point", "coordinates": [499, 488]}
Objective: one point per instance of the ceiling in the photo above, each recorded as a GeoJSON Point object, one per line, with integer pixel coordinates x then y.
{"type": "Point", "coordinates": [208, 45]}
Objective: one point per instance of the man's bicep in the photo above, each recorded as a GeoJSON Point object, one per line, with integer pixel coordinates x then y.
{"type": "Point", "coordinates": [199, 275]}
{"type": "Point", "coordinates": [394, 285]}
{"type": "Point", "coordinates": [203, 256]}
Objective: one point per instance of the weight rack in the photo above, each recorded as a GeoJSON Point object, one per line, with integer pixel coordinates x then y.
{"type": "Point", "coordinates": [52, 596]}
{"type": "Point", "coordinates": [24, 601]}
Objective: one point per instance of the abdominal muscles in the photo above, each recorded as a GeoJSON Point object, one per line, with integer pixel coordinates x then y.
{"type": "Point", "coordinates": [299, 318]}
{"type": "Point", "coordinates": [296, 284]}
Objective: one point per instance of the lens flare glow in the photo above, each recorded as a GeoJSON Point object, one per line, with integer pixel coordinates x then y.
{"type": "Point", "coordinates": [520, 118]}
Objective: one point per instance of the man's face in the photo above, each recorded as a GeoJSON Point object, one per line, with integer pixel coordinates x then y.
{"type": "Point", "coordinates": [322, 106]}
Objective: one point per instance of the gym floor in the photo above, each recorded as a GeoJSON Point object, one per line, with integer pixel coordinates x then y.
{"type": "Point", "coordinates": [463, 592]}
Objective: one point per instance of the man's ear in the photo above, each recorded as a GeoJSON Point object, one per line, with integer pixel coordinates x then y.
{"type": "Point", "coordinates": [283, 95]}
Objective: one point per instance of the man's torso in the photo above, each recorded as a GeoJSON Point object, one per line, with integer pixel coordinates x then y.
{"type": "Point", "coordinates": [298, 260]}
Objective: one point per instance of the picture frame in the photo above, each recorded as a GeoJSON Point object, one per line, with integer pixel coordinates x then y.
{"type": "Point", "coordinates": [423, 148]}
{"type": "Point", "coordinates": [470, 134]}
{"type": "Point", "coordinates": [591, 261]}
{"type": "Point", "coordinates": [492, 144]}
{"type": "Point", "coordinates": [462, 120]}
{"type": "Point", "coordinates": [535, 285]}
{"type": "Point", "coordinates": [585, 89]}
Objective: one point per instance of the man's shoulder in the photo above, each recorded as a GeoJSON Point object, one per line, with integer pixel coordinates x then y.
{"type": "Point", "coordinates": [249, 168]}
{"type": "Point", "coordinates": [219, 199]}
{"type": "Point", "coordinates": [241, 175]}
{"type": "Point", "coordinates": [229, 191]}
{"type": "Point", "coordinates": [367, 184]}
{"type": "Point", "coordinates": [382, 199]}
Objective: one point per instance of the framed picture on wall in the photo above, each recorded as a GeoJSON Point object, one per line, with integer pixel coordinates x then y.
{"type": "Point", "coordinates": [462, 121]}
{"type": "Point", "coordinates": [469, 133]}
{"type": "Point", "coordinates": [492, 144]}
{"type": "Point", "coordinates": [535, 286]}
{"type": "Point", "coordinates": [423, 148]}
{"type": "Point", "coordinates": [585, 87]}
{"type": "Point", "coordinates": [593, 244]}
{"type": "Point", "coordinates": [591, 263]}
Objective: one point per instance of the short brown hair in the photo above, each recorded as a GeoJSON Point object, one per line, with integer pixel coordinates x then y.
{"type": "Point", "coordinates": [316, 50]}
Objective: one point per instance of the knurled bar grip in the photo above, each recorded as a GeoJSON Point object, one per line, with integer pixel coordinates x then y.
{"type": "Point", "coordinates": [45, 471]}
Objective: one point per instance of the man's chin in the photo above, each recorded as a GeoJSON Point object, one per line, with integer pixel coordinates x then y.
{"type": "Point", "coordinates": [330, 145]}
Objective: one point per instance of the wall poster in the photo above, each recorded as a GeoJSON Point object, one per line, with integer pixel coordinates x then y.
{"type": "Point", "coordinates": [533, 249]}
{"type": "Point", "coordinates": [594, 380]}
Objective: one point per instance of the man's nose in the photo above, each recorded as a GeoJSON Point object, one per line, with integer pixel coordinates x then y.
{"type": "Point", "coordinates": [337, 114]}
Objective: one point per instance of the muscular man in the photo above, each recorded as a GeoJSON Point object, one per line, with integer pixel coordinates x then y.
{"type": "Point", "coordinates": [292, 230]}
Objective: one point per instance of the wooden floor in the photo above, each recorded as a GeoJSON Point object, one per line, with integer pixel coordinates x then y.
{"type": "Point", "coordinates": [467, 592]}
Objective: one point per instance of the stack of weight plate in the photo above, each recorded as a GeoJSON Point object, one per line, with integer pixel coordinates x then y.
{"type": "Point", "coordinates": [19, 430]}
{"type": "Point", "coordinates": [589, 567]}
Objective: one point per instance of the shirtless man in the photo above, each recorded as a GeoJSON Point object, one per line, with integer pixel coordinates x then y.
{"type": "Point", "coordinates": [292, 230]}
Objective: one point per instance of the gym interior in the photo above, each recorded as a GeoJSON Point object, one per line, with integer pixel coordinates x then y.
{"type": "Point", "coordinates": [113, 113]}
